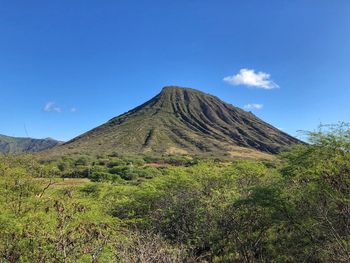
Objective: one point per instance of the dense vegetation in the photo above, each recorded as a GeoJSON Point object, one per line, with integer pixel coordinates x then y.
{"type": "Point", "coordinates": [139, 209]}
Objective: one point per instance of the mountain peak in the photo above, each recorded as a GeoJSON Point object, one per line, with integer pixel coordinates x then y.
{"type": "Point", "coordinates": [178, 88]}
{"type": "Point", "coordinates": [173, 89]}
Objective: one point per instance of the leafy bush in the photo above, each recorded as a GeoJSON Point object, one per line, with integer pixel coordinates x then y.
{"type": "Point", "coordinates": [104, 177]}
{"type": "Point", "coordinates": [91, 190]}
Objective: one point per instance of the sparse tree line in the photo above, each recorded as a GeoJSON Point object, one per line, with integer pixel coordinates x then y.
{"type": "Point", "coordinates": [293, 209]}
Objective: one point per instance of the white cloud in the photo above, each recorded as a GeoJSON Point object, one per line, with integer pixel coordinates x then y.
{"type": "Point", "coordinates": [253, 106]}
{"type": "Point", "coordinates": [73, 109]}
{"type": "Point", "coordinates": [248, 77]}
{"type": "Point", "coordinates": [52, 107]}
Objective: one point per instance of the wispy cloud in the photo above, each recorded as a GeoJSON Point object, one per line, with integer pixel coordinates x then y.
{"type": "Point", "coordinates": [52, 107]}
{"type": "Point", "coordinates": [250, 78]}
{"type": "Point", "coordinates": [253, 106]}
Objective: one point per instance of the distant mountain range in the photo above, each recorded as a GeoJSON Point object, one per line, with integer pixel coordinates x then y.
{"type": "Point", "coordinates": [181, 121]}
{"type": "Point", "coordinates": [14, 145]}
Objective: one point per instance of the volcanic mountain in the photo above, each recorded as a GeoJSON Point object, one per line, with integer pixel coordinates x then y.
{"type": "Point", "coordinates": [15, 145]}
{"type": "Point", "coordinates": [181, 121]}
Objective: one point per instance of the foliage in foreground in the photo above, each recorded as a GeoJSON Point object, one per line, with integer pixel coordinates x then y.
{"type": "Point", "coordinates": [294, 210]}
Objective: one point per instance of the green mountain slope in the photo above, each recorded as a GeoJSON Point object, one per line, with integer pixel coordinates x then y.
{"type": "Point", "coordinates": [181, 121]}
{"type": "Point", "coordinates": [14, 145]}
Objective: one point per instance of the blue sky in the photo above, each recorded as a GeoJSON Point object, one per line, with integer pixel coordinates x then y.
{"type": "Point", "coordinates": [68, 66]}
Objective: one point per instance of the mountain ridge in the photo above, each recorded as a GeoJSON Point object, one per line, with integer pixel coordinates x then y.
{"type": "Point", "coordinates": [18, 145]}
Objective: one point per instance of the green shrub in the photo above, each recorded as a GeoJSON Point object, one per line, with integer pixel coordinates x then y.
{"type": "Point", "coordinates": [103, 177]}
{"type": "Point", "coordinates": [115, 162]}
{"type": "Point", "coordinates": [91, 190]}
